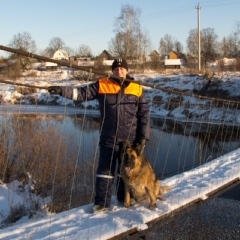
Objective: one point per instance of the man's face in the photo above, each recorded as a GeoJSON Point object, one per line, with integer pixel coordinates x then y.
{"type": "Point", "coordinates": [120, 72]}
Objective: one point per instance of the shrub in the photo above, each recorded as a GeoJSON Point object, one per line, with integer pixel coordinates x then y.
{"type": "Point", "coordinates": [238, 64]}
{"type": "Point", "coordinates": [157, 99]}
{"type": "Point", "coordinates": [12, 70]}
{"type": "Point", "coordinates": [16, 213]}
{"type": "Point", "coordinates": [26, 90]}
{"type": "Point", "coordinates": [27, 145]}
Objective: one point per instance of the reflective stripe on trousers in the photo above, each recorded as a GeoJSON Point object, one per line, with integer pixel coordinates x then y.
{"type": "Point", "coordinates": [105, 176]}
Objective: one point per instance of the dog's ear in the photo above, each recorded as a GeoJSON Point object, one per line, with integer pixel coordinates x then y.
{"type": "Point", "coordinates": [127, 144]}
{"type": "Point", "coordinates": [140, 149]}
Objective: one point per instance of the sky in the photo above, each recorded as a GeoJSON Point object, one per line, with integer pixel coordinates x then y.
{"type": "Point", "coordinates": [91, 22]}
{"type": "Point", "coordinates": [78, 223]}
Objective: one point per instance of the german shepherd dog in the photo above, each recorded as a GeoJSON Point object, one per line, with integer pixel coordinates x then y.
{"type": "Point", "coordinates": [139, 178]}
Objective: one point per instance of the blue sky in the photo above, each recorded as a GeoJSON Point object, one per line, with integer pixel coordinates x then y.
{"type": "Point", "coordinates": [91, 22]}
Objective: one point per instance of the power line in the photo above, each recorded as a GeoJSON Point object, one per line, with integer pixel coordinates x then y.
{"type": "Point", "coordinates": [190, 7]}
{"type": "Point", "coordinates": [155, 15]}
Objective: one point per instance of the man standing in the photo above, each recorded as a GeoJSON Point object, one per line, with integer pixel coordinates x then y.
{"type": "Point", "coordinates": [124, 116]}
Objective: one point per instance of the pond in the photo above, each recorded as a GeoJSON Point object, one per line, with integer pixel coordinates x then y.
{"type": "Point", "coordinates": [61, 145]}
{"type": "Point", "coordinates": [173, 148]}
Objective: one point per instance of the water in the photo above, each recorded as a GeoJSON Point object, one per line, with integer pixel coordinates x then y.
{"type": "Point", "coordinates": [172, 149]}
{"type": "Point", "coordinates": [175, 146]}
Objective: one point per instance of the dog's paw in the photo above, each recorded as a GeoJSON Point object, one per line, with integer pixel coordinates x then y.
{"type": "Point", "coordinates": [126, 205]}
{"type": "Point", "coordinates": [161, 198]}
{"type": "Point", "coordinates": [153, 206]}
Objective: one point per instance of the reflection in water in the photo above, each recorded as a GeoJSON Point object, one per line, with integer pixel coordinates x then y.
{"type": "Point", "coordinates": [173, 148]}
{"type": "Point", "coordinates": [184, 145]}
{"type": "Point", "coordinates": [61, 152]}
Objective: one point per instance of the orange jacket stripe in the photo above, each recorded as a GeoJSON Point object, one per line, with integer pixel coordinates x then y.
{"type": "Point", "coordinates": [106, 86]}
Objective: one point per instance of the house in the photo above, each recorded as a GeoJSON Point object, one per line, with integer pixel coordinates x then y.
{"type": "Point", "coordinates": [229, 61]}
{"type": "Point", "coordinates": [60, 55]}
{"type": "Point", "coordinates": [154, 55]}
{"type": "Point", "coordinates": [174, 60]}
{"type": "Point", "coordinates": [226, 64]}
{"type": "Point", "coordinates": [50, 66]}
{"type": "Point", "coordinates": [81, 61]}
{"type": "Point", "coordinates": [105, 55]}
{"type": "Point", "coordinates": [106, 58]}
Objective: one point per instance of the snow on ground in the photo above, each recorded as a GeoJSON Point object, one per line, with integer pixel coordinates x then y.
{"type": "Point", "coordinates": [79, 223]}
{"type": "Point", "coordinates": [224, 83]}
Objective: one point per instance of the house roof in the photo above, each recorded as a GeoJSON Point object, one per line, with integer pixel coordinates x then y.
{"type": "Point", "coordinates": [105, 52]}
{"type": "Point", "coordinates": [60, 54]}
{"type": "Point", "coordinates": [179, 54]}
{"type": "Point", "coordinates": [154, 53]}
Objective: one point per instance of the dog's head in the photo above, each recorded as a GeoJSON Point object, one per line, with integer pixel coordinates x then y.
{"type": "Point", "coordinates": [131, 157]}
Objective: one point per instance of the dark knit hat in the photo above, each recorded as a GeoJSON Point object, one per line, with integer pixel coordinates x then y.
{"type": "Point", "coordinates": [119, 62]}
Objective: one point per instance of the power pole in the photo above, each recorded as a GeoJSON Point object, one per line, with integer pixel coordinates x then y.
{"type": "Point", "coordinates": [199, 39]}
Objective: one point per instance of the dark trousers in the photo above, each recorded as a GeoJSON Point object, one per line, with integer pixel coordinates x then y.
{"type": "Point", "coordinates": [109, 158]}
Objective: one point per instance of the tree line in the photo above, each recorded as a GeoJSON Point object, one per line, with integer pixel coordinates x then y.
{"type": "Point", "coordinates": [132, 42]}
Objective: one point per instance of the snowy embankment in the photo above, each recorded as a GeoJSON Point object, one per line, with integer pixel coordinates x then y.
{"type": "Point", "coordinates": [187, 187]}
{"type": "Point", "coordinates": [181, 106]}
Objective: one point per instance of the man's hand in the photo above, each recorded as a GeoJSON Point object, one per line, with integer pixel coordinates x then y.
{"type": "Point", "coordinates": [55, 90]}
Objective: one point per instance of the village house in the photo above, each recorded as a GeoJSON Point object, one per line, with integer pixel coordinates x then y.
{"type": "Point", "coordinates": [174, 60]}
{"type": "Point", "coordinates": [50, 66]}
{"type": "Point", "coordinates": [153, 56]}
{"type": "Point", "coordinates": [60, 55]}
{"type": "Point", "coordinates": [106, 58]}
{"type": "Point", "coordinates": [81, 61]}
{"type": "Point", "coordinates": [227, 64]}
{"type": "Point", "coordinates": [105, 55]}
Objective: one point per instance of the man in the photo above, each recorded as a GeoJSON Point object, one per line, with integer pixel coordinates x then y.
{"type": "Point", "coordinates": [124, 116]}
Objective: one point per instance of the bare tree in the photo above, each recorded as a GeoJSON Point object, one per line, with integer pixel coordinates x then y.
{"type": "Point", "coordinates": [84, 51]}
{"type": "Point", "coordinates": [129, 41]}
{"type": "Point", "coordinates": [143, 44]}
{"type": "Point", "coordinates": [70, 51]}
{"type": "Point", "coordinates": [234, 44]}
{"type": "Point", "coordinates": [54, 44]}
{"type": "Point", "coordinates": [230, 46]}
{"type": "Point", "coordinates": [163, 47]}
{"type": "Point", "coordinates": [166, 44]}
{"type": "Point", "coordinates": [178, 47]}
{"type": "Point", "coordinates": [238, 27]}
{"type": "Point", "coordinates": [225, 48]}
{"type": "Point", "coordinates": [116, 44]}
{"type": "Point", "coordinates": [209, 45]}
{"type": "Point", "coordinates": [24, 42]}
{"type": "Point", "coordinates": [192, 42]}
